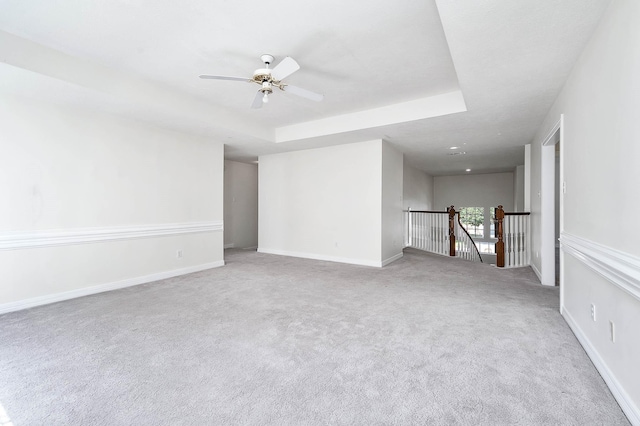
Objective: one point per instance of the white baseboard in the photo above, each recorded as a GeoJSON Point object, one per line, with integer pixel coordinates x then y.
{"type": "Point", "coordinates": [536, 272]}
{"type": "Point", "coordinates": [392, 259]}
{"type": "Point", "coordinates": [315, 256]}
{"type": "Point", "coordinates": [86, 291]}
{"type": "Point", "coordinates": [233, 245]}
{"type": "Point", "coordinates": [627, 404]}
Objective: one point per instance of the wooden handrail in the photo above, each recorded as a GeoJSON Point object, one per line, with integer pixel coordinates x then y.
{"type": "Point", "coordinates": [499, 234]}
{"type": "Point", "coordinates": [426, 211]}
{"type": "Point", "coordinates": [469, 235]}
{"type": "Point", "coordinates": [516, 243]}
{"type": "Point", "coordinates": [450, 232]}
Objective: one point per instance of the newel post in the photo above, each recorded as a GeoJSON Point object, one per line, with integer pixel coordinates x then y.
{"type": "Point", "coordinates": [452, 234]}
{"type": "Point", "coordinates": [500, 232]}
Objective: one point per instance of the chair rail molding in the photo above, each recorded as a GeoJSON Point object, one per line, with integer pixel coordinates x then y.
{"type": "Point", "coordinates": [16, 240]}
{"type": "Point", "coordinates": [621, 268]}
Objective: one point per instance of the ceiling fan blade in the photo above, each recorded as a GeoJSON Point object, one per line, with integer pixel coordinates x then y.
{"type": "Point", "coordinates": [224, 77]}
{"type": "Point", "coordinates": [303, 93]}
{"type": "Point", "coordinates": [285, 68]}
{"type": "Point", "coordinates": [257, 101]}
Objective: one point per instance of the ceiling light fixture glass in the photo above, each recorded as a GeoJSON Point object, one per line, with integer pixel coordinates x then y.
{"type": "Point", "coordinates": [265, 98]}
{"type": "Point", "coordinates": [453, 147]}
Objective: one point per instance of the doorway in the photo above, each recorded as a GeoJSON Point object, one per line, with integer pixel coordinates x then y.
{"type": "Point", "coordinates": [552, 207]}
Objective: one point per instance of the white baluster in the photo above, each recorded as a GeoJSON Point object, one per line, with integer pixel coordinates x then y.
{"type": "Point", "coordinates": [414, 229]}
{"type": "Point", "coordinates": [520, 238]}
{"type": "Point", "coordinates": [430, 233]}
{"type": "Point", "coordinates": [421, 230]}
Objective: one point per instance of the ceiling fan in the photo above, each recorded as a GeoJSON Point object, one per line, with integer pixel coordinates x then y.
{"type": "Point", "coordinates": [269, 78]}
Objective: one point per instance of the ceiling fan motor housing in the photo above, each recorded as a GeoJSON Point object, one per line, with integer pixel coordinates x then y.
{"type": "Point", "coordinates": [261, 75]}
{"type": "Point", "coordinates": [264, 74]}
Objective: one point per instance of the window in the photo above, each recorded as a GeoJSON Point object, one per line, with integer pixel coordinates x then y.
{"type": "Point", "coordinates": [473, 219]}
{"type": "Point", "coordinates": [485, 247]}
{"type": "Point", "coordinates": [492, 231]}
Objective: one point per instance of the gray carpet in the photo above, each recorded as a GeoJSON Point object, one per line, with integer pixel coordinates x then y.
{"type": "Point", "coordinates": [283, 341]}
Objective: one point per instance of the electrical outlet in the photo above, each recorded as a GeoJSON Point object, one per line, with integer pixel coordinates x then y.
{"type": "Point", "coordinates": [612, 331]}
{"type": "Point", "coordinates": [179, 254]}
{"type": "Point", "coordinates": [593, 312]}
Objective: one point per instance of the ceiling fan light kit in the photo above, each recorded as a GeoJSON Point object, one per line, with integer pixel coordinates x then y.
{"type": "Point", "coordinates": [268, 78]}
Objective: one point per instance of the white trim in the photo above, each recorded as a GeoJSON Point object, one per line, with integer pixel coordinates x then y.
{"type": "Point", "coordinates": [392, 259]}
{"type": "Point", "coordinates": [527, 180]}
{"type": "Point", "coordinates": [627, 404]}
{"type": "Point", "coordinates": [62, 237]}
{"type": "Point", "coordinates": [560, 187]}
{"type": "Point", "coordinates": [86, 291]}
{"type": "Point", "coordinates": [548, 189]}
{"type": "Point", "coordinates": [316, 256]}
{"type": "Point", "coordinates": [621, 268]}
{"type": "Point", "coordinates": [549, 138]}
{"type": "Point", "coordinates": [536, 271]}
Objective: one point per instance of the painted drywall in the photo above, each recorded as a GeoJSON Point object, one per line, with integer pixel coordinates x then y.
{"type": "Point", "coordinates": [240, 205]}
{"type": "Point", "coordinates": [417, 189]}
{"type": "Point", "coordinates": [66, 170]}
{"type": "Point", "coordinates": [600, 155]}
{"type": "Point", "coordinates": [535, 201]}
{"type": "Point", "coordinates": [323, 203]}
{"type": "Point", "coordinates": [557, 192]}
{"type": "Point", "coordinates": [482, 190]}
{"type": "Point", "coordinates": [487, 190]}
{"type": "Point", "coordinates": [518, 189]}
{"type": "Point", "coordinates": [392, 195]}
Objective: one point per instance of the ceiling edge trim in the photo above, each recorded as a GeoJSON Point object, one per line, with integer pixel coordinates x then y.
{"type": "Point", "coordinates": [419, 109]}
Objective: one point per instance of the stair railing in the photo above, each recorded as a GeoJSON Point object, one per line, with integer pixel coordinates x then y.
{"type": "Point", "coordinates": [466, 247]}
{"type": "Point", "coordinates": [512, 231]}
{"type": "Point", "coordinates": [437, 232]}
{"type": "Point", "coordinates": [429, 231]}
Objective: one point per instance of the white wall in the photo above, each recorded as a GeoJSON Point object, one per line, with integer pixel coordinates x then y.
{"type": "Point", "coordinates": [488, 190]}
{"type": "Point", "coordinates": [482, 190]}
{"type": "Point", "coordinates": [536, 206]}
{"type": "Point", "coordinates": [518, 189]}
{"type": "Point", "coordinates": [417, 189]}
{"type": "Point", "coordinates": [600, 155]}
{"type": "Point", "coordinates": [240, 205]}
{"type": "Point", "coordinates": [392, 199]}
{"type": "Point", "coordinates": [323, 203]}
{"type": "Point", "coordinates": [70, 176]}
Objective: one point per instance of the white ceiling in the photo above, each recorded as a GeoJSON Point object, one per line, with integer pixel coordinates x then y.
{"type": "Point", "coordinates": [480, 75]}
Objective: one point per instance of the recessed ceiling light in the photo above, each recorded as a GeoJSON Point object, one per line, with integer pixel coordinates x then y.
{"type": "Point", "coordinates": [453, 147]}
{"type": "Point", "coordinates": [468, 170]}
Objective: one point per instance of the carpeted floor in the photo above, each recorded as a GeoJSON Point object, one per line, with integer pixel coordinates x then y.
{"type": "Point", "coordinates": [283, 341]}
